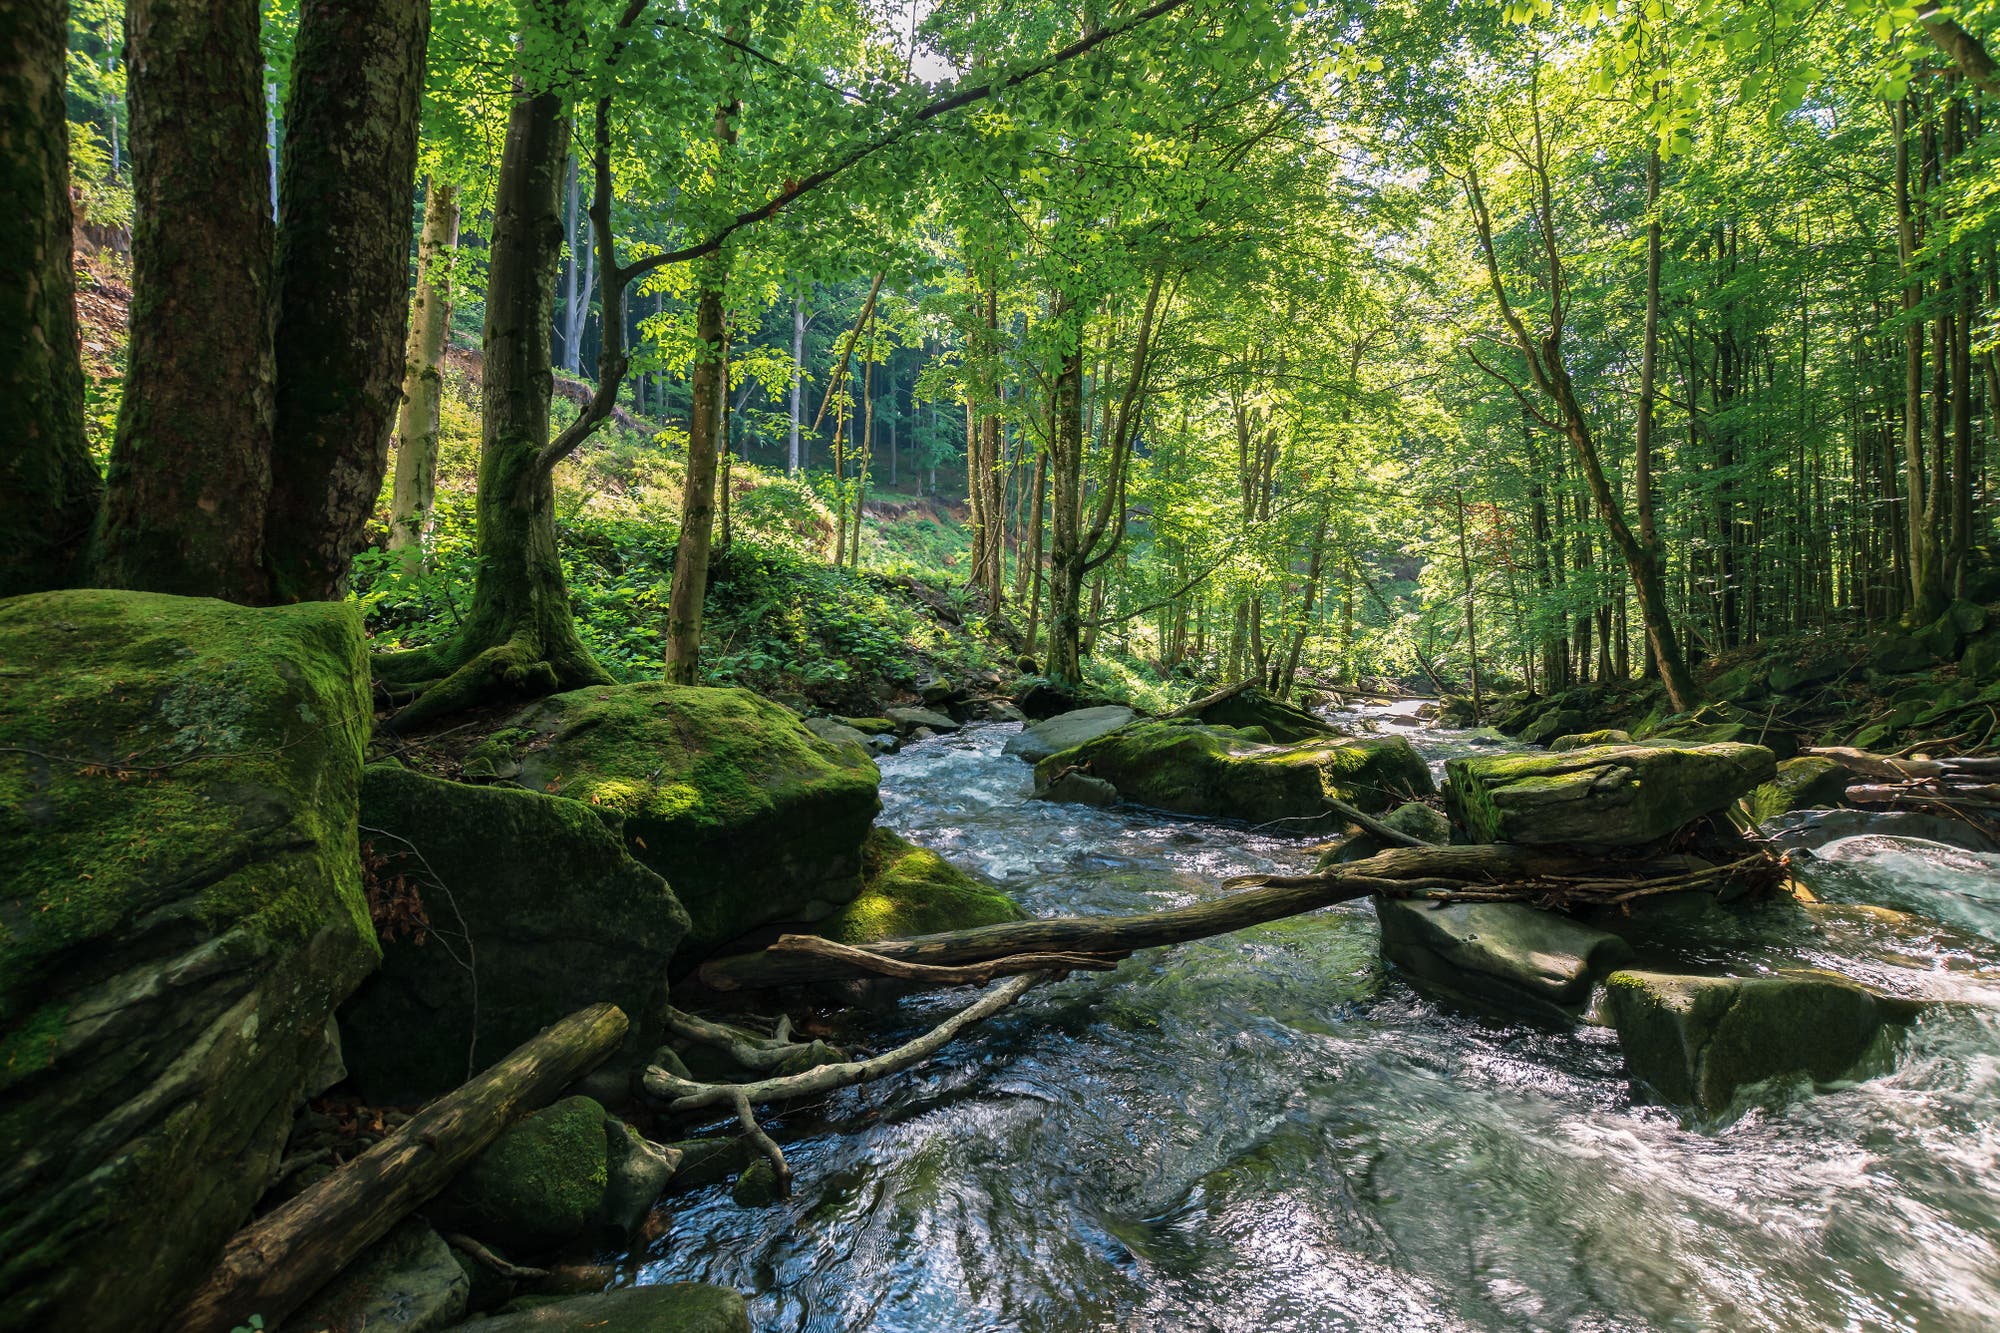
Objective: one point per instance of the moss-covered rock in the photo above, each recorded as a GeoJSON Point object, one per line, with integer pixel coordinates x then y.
{"type": "Point", "coordinates": [1415, 819]}
{"type": "Point", "coordinates": [1066, 731]}
{"type": "Point", "coordinates": [1215, 772]}
{"type": "Point", "coordinates": [1695, 1041]}
{"type": "Point", "coordinates": [407, 1282]}
{"type": "Point", "coordinates": [750, 817]}
{"type": "Point", "coordinates": [1586, 739]}
{"type": "Point", "coordinates": [1608, 796]}
{"type": "Point", "coordinates": [911, 890]}
{"type": "Point", "coordinates": [1280, 721]}
{"type": "Point", "coordinates": [1800, 784]}
{"type": "Point", "coordinates": [678, 1307]}
{"type": "Point", "coordinates": [1503, 957]}
{"type": "Point", "coordinates": [181, 911]}
{"type": "Point", "coordinates": [534, 894]}
{"type": "Point", "coordinates": [538, 1186]}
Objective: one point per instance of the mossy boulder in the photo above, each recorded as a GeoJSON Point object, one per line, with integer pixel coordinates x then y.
{"type": "Point", "coordinates": [1792, 677]}
{"type": "Point", "coordinates": [677, 1307]}
{"type": "Point", "coordinates": [911, 890]}
{"type": "Point", "coordinates": [180, 913]}
{"type": "Point", "coordinates": [1586, 739]}
{"type": "Point", "coordinates": [1800, 784]}
{"type": "Point", "coordinates": [1215, 772]}
{"type": "Point", "coordinates": [750, 817]}
{"type": "Point", "coordinates": [1553, 724]}
{"type": "Point", "coordinates": [407, 1282]}
{"type": "Point", "coordinates": [1065, 731]}
{"type": "Point", "coordinates": [1981, 661]}
{"type": "Point", "coordinates": [533, 893]}
{"type": "Point", "coordinates": [538, 1186]}
{"type": "Point", "coordinates": [1414, 818]}
{"type": "Point", "coordinates": [1606, 796]}
{"type": "Point", "coordinates": [1894, 654]}
{"type": "Point", "coordinates": [1280, 721]}
{"type": "Point", "coordinates": [1499, 957]}
{"type": "Point", "coordinates": [1695, 1041]}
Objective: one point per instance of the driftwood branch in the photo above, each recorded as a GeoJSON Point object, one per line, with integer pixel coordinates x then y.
{"type": "Point", "coordinates": [970, 974]}
{"type": "Point", "coordinates": [271, 1267]}
{"type": "Point", "coordinates": [683, 1095]}
{"type": "Point", "coordinates": [478, 1253]}
{"type": "Point", "coordinates": [1490, 870]}
{"type": "Point", "coordinates": [1196, 707]}
{"type": "Point", "coordinates": [758, 1053]}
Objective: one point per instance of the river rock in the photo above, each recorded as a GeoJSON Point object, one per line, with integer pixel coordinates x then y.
{"type": "Point", "coordinates": [750, 817]}
{"type": "Point", "coordinates": [1812, 780]}
{"type": "Point", "coordinates": [407, 1282]}
{"type": "Point", "coordinates": [1805, 830]}
{"type": "Point", "coordinates": [1414, 818]}
{"type": "Point", "coordinates": [1695, 1041]}
{"type": "Point", "coordinates": [1079, 789]}
{"type": "Point", "coordinates": [1586, 739]}
{"type": "Point", "coordinates": [912, 720]}
{"type": "Point", "coordinates": [539, 1185]}
{"type": "Point", "coordinates": [678, 1307]}
{"type": "Point", "coordinates": [911, 890]}
{"type": "Point", "coordinates": [556, 914]}
{"type": "Point", "coordinates": [1508, 957]}
{"type": "Point", "coordinates": [1212, 771]}
{"type": "Point", "coordinates": [1067, 730]}
{"type": "Point", "coordinates": [180, 912]}
{"type": "Point", "coordinates": [636, 1174]}
{"type": "Point", "coordinates": [1607, 796]}
{"type": "Point", "coordinates": [1039, 697]}
{"type": "Point", "coordinates": [1280, 721]}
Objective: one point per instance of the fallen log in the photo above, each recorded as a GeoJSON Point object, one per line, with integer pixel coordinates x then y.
{"type": "Point", "coordinates": [1207, 701]}
{"type": "Point", "coordinates": [273, 1265]}
{"type": "Point", "coordinates": [1395, 837]}
{"type": "Point", "coordinates": [1877, 765]}
{"type": "Point", "coordinates": [1401, 871]}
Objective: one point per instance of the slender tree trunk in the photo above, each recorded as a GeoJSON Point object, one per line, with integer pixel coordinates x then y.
{"type": "Point", "coordinates": [49, 486]}
{"type": "Point", "coordinates": [1471, 616]}
{"type": "Point", "coordinates": [423, 380]}
{"type": "Point", "coordinates": [343, 281]}
{"type": "Point", "coordinates": [1925, 568]}
{"type": "Point", "coordinates": [798, 379]}
{"type": "Point", "coordinates": [1067, 558]}
{"type": "Point", "coordinates": [190, 470]}
{"type": "Point", "coordinates": [690, 586]}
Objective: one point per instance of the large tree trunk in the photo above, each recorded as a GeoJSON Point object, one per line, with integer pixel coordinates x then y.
{"type": "Point", "coordinates": [690, 586]}
{"type": "Point", "coordinates": [1068, 560]}
{"type": "Point", "coordinates": [423, 381]}
{"type": "Point", "coordinates": [1927, 595]}
{"type": "Point", "coordinates": [520, 637]}
{"type": "Point", "coordinates": [343, 281]}
{"type": "Point", "coordinates": [191, 469]}
{"type": "Point", "coordinates": [48, 483]}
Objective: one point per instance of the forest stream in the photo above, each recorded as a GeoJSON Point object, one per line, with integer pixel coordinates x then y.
{"type": "Point", "coordinates": [1271, 1131]}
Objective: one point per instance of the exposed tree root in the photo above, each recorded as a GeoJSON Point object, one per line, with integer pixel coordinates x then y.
{"type": "Point", "coordinates": [453, 679]}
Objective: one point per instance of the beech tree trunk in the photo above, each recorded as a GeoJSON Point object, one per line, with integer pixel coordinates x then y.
{"type": "Point", "coordinates": [357, 89]}
{"type": "Point", "coordinates": [690, 586]}
{"type": "Point", "coordinates": [48, 484]}
{"type": "Point", "coordinates": [191, 467]}
{"type": "Point", "coordinates": [423, 382]}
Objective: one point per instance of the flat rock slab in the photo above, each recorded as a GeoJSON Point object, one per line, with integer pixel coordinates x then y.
{"type": "Point", "coordinates": [1694, 1042]}
{"type": "Point", "coordinates": [909, 719]}
{"type": "Point", "coordinates": [1601, 796]}
{"type": "Point", "coordinates": [407, 1282]}
{"type": "Point", "coordinates": [678, 1307]}
{"type": "Point", "coordinates": [1067, 730]}
{"type": "Point", "coordinates": [1505, 956]}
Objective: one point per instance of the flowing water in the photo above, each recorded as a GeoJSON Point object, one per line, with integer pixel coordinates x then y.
{"type": "Point", "coordinates": [1271, 1131]}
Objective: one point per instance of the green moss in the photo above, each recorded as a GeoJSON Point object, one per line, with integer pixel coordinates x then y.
{"type": "Point", "coordinates": [158, 743]}
{"type": "Point", "coordinates": [748, 815]}
{"type": "Point", "coordinates": [1214, 771]}
{"type": "Point", "coordinates": [538, 1185]}
{"type": "Point", "coordinates": [1800, 784]}
{"type": "Point", "coordinates": [909, 890]}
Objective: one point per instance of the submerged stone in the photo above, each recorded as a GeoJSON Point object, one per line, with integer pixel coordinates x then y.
{"type": "Point", "coordinates": [1607, 796]}
{"type": "Point", "coordinates": [180, 912]}
{"type": "Point", "coordinates": [1067, 730]}
{"type": "Point", "coordinates": [1695, 1041]}
{"type": "Point", "coordinates": [535, 911]}
{"type": "Point", "coordinates": [750, 817]}
{"type": "Point", "coordinates": [1508, 957]}
{"type": "Point", "coordinates": [1211, 771]}
{"type": "Point", "coordinates": [1079, 789]}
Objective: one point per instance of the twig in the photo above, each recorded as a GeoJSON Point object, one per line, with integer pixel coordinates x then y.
{"type": "Point", "coordinates": [468, 1246]}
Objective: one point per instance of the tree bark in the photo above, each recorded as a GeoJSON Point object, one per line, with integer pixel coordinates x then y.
{"type": "Point", "coordinates": [1926, 566]}
{"type": "Point", "coordinates": [690, 585]}
{"type": "Point", "coordinates": [417, 423]}
{"type": "Point", "coordinates": [190, 469]}
{"type": "Point", "coordinates": [343, 281]}
{"type": "Point", "coordinates": [798, 378]}
{"type": "Point", "coordinates": [49, 486]}
{"type": "Point", "coordinates": [275, 1264]}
